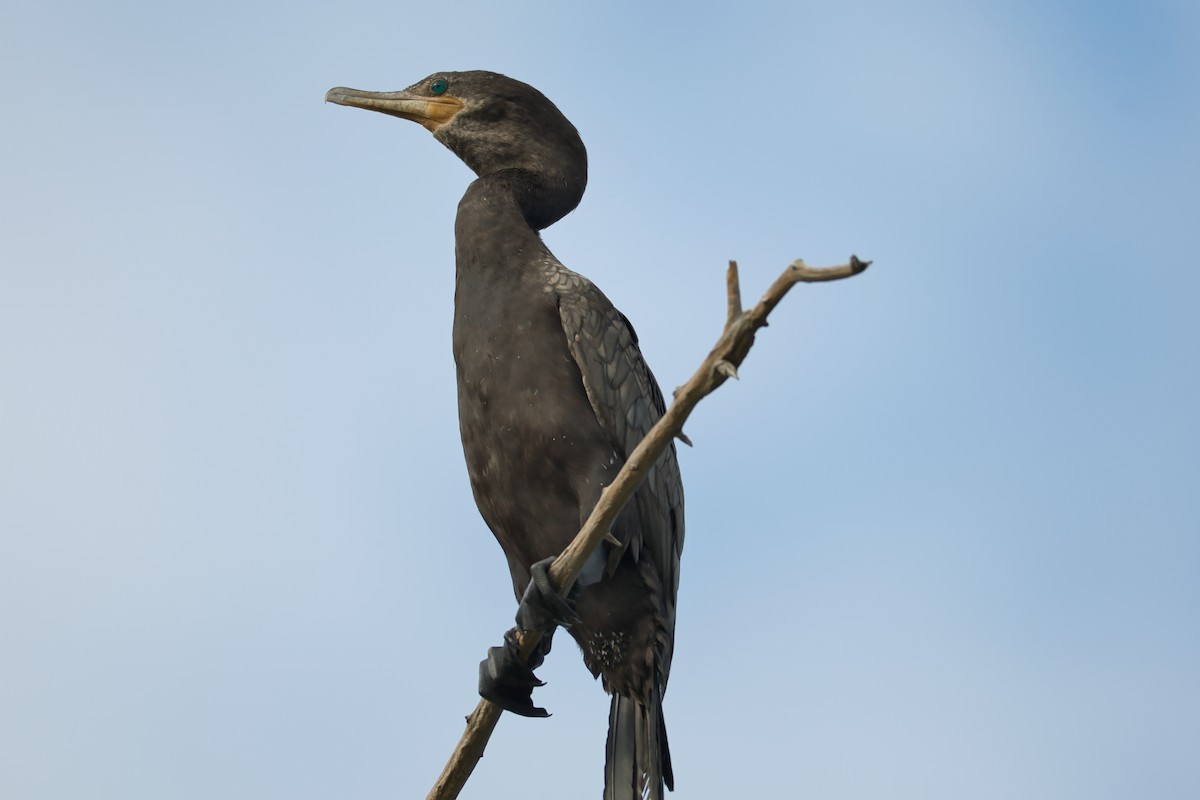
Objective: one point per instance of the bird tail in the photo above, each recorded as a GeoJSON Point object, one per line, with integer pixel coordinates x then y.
{"type": "Point", "coordinates": [637, 760]}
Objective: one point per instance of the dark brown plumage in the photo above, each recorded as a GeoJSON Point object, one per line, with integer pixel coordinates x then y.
{"type": "Point", "coordinates": [553, 395]}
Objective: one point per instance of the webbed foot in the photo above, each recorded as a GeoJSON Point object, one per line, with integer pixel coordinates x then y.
{"type": "Point", "coordinates": [504, 677]}
{"type": "Point", "coordinates": [542, 607]}
{"type": "Point", "coordinates": [508, 680]}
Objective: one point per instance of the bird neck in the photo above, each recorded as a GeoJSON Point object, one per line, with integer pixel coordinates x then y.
{"type": "Point", "coordinates": [543, 198]}
{"type": "Point", "coordinates": [493, 235]}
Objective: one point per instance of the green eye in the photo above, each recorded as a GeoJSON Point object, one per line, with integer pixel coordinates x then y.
{"type": "Point", "coordinates": [439, 87]}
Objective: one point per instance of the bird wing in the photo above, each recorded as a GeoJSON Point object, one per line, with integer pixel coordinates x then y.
{"type": "Point", "coordinates": [627, 403]}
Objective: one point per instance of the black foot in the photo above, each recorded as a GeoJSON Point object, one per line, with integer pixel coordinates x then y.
{"type": "Point", "coordinates": [541, 606]}
{"type": "Point", "coordinates": [504, 677]}
{"type": "Point", "coordinates": [508, 681]}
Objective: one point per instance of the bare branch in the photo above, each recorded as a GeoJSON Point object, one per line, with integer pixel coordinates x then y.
{"type": "Point", "coordinates": [733, 294]}
{"type": "Point", "coordinates": [721, 364]}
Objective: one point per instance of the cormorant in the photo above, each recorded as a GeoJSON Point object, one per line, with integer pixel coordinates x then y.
{"type": "Point", "coordinates": [553, 395]}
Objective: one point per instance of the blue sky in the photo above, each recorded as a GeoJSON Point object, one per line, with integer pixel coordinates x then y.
{"type": "Point", "coordinates": [942, 536]}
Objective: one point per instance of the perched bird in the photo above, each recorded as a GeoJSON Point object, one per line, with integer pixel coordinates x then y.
{"type": "Point", "coordinates": [553, 395]}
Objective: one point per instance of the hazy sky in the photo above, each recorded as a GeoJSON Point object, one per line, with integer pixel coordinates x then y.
{"type": "Point", "coordinates": [942, 536]}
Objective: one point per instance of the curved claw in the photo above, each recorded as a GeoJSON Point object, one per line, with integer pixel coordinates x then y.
{"type": "Point", "coordinates": [542, 607]}
{"type": "Point", "coordinates": [506, 680]}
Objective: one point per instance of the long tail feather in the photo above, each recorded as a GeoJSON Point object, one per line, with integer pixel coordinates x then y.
{"type": "Point", "coordinates": [638, 761]}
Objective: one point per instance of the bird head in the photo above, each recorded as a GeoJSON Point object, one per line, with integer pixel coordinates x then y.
{"type": "Point", "coordinates": [490, 121]}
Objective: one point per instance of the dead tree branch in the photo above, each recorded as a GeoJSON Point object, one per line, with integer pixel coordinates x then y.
{"type": "Point", "coordinates": [722, 363]}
